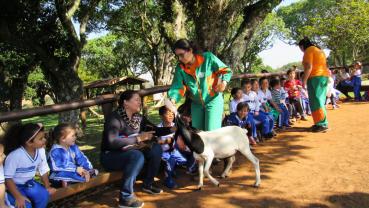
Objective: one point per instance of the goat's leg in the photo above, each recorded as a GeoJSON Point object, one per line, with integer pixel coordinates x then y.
{"type": "Point", "coordinates": [255, 161]}
{"type": "Point", "coordinates": [201, 173]}
{"type": "Point", "coordinates": [208, 162]}
{"type": "Point", "coordinates": [230, 161]}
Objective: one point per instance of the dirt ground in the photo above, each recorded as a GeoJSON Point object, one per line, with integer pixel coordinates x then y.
{"type": "Point", "coordinates": [299, 169]}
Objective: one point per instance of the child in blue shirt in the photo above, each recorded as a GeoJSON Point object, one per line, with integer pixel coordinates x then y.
{"type": "Point", "coordinates": [171, 156]}
{"type": "Point", "coordinates": [242, 119]}
{"type": "Point", "coordinates": [67, 162]}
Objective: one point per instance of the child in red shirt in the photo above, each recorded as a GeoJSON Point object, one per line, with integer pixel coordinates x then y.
{"type": "Point", "coordinates": [293, 87]}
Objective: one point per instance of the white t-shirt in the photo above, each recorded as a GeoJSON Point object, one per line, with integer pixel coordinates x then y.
{"type": "Point", "coordinates": [165, 147]}
{"type": "Point", "coordinates": [345, 76]}
{"type": "Point", "coordinates": [330, 87]}
{"type": "Point", "coordinates": [233, 105]}
{"type": "Point", "coordinates": [252, 100]}
{"type": "Point", "coordinates": [284, 95]}
{"type": "Point", "coordinates": [21, 167]}
{"type": "Point", "coordinates": [2, 179]}
{"type": "Point", "coordinates": [264, 96]}
{"type": "Point", "coordinates": [357, 73]}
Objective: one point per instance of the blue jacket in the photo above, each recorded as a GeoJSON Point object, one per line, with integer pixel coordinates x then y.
{"type": "Point", "coordinates": [64, 162]}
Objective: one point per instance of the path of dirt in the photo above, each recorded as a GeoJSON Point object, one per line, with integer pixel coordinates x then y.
{"type": "Point", "coordinates": [299, 169]}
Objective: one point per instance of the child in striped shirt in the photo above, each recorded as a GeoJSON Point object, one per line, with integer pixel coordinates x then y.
{"type": "Point", "coordinates": [279, 97]}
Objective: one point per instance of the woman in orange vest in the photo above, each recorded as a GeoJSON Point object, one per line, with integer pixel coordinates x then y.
{"type": "Point", "coordinates": [316, 75]}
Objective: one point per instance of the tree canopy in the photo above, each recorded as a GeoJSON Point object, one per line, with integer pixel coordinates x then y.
{"type": "Point", "coordinates": [341, 26]}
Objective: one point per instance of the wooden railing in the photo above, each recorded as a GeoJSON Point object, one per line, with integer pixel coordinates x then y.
{"type": "Point", "coordinates": [99, 100]}
{"type": "Point", "coordinates": [102, 99]}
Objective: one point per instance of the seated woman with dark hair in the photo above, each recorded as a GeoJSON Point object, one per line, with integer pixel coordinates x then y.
{"type": "Point", "coordinates": [344, 82]}
{"type": "Point", "coordinates": [127, 144]}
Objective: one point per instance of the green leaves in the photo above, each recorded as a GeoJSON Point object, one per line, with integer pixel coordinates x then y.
{"type": "Point", "coordinates": [341, 26]}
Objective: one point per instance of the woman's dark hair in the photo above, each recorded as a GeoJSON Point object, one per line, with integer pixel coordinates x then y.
{"type": "Point", "coordinates": [235, 90]}
{"type": "Point", "coordinates": [347, 70]}
{"type": "Point", "coordinates": [18, 134]}
{"type": "Point", "coordinates": [274, 82]}
{"type": "Point", "coordinates": [262, 79]}
{"type": "Point", "coordinates": [186, 45]}
{"type": "Point", "coordinates": [126, 95]}
{"type": "Point", "coordinates": [59, 131]}
{"type": "Point", "coordinates": [243, 105]}
{"type": "Point", "coordinates": [305, 43]}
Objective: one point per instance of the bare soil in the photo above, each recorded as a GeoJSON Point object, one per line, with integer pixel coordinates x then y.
{"type": "Point", "coordinates": [299, 169]}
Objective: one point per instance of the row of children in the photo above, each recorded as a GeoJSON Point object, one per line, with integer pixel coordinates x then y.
{"type": "Point", "coordinates": [344, 80]}
{"type": "Point", "coordinates": [25, 147]}
{"type": "Point", "coordinates": [264, 103]}
{"type": "Point", "coordinates": [26, 155]}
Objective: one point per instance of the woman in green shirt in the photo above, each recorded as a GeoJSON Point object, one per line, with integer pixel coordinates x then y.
{"type": "Point", "coordinates": [204, 76]}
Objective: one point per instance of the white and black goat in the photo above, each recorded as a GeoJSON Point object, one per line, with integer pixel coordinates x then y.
{"type": "Point", "coordinates": [221, 143]}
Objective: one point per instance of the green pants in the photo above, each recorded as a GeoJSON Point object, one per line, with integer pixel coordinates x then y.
{"type": "Point", "coordinates": [208, 117]}
{"type": "Point", "coordinates": [317, 90]}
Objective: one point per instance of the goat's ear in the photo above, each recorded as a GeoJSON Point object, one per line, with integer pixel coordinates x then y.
{"type": "Point", "coordinates": [179, 122]}
{"type": "Point", "coordinates": [197, 143]}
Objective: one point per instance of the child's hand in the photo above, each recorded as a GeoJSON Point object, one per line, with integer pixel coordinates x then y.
{"type": "Point", "coordinates": [267, 109]}
{"type": "Point", "coordinates": [168, 140]}
{"type": "Point", "coordinates": [80, 171]}
{"type": "Point", "coordinates": [51, 190]}
{"type": "Point", "coordinates": [161, 142]}
{"type": "Point", "coordinates": [144, 136]}
{"type": "Point", "coordinates": [256, 113]}
{"type": "Point", "coordinates": [87, 176]}
{"type": "Point", "coordinates": [21, 202]}
{"type": "Point", "coordinates": [220, 86]}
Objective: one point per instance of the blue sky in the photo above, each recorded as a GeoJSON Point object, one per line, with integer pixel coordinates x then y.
{"type": "Point", "coordinates": [281, 53]}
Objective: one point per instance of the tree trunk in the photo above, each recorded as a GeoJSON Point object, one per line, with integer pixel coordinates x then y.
{"type": "Point", "coordinates": [66, 85]}
{"type": "Point", "coordinates": [4, 91]}
{"type": "Point", "coordinates": [17, 89]}
{"type": "Point", "coordinates": [214, 22]}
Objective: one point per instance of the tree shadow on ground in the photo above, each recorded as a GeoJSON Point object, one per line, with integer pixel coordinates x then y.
{"type": "Point", "coordinates": [271, 154]}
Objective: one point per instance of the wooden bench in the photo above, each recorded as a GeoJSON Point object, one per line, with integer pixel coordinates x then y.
{"type": "Point", "coordinates": [101, 179]}
{"type": "Point", "coordinates": [364, 88]}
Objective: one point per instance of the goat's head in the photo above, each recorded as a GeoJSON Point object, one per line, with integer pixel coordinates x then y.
{"type": "Point", "coordinates": [188, 134]}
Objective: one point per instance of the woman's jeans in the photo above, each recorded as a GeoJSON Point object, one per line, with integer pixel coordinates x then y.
{"type": "Point", "coordinates": [130, 163]}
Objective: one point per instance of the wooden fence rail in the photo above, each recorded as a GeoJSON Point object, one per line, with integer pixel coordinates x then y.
{"type": "Point", "coordinates": [99, 100]}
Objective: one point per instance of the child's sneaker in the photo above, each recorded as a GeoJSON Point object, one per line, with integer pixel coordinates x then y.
{"type": "Point", "coordinates": [152, 189]}
{"type": "Point", "coordinates": [169, 183]}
